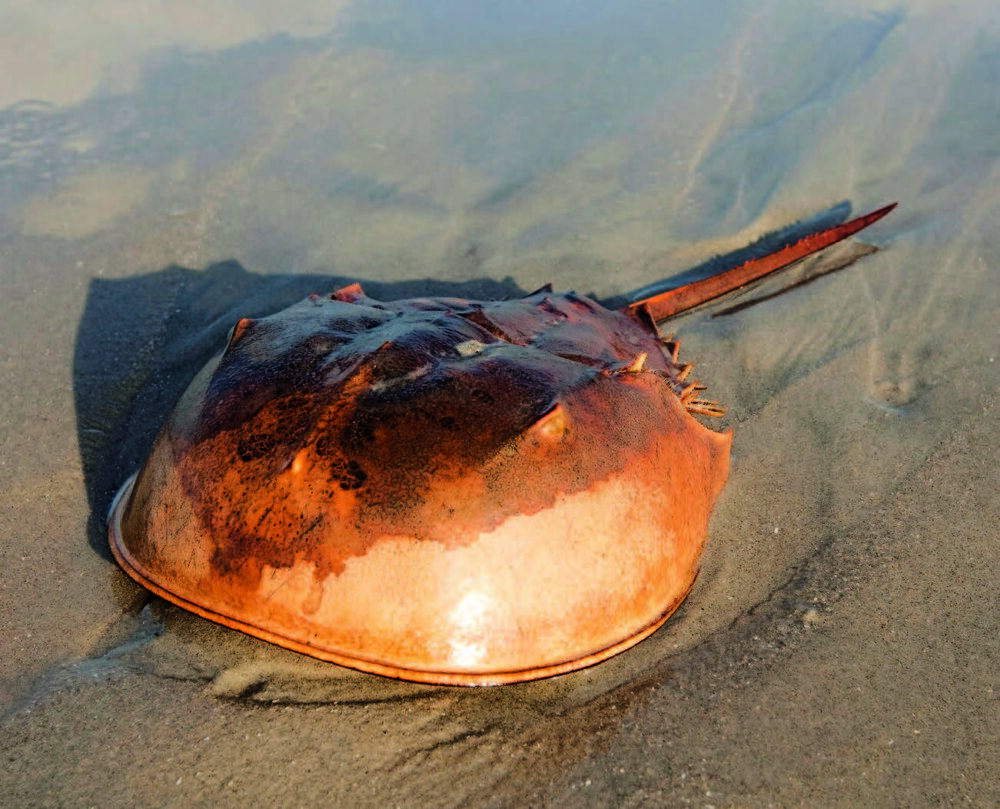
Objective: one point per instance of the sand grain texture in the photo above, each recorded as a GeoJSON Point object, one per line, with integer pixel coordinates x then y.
{"type": "Point", "coordinates": [841, 645]}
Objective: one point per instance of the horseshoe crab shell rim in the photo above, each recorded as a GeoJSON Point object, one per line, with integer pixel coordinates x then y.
{"type": "Point", "coordinates": [425, 676]}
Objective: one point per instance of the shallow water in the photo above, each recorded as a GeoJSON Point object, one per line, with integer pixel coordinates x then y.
{"type": "Point", "coordinates": [841, 644]}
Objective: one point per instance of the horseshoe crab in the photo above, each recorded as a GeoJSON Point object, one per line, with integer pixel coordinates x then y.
{"type": "Point", "coordinates": [438, 489]}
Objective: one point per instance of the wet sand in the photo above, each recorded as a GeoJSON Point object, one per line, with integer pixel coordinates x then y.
{"type": "Point", "coordinates": [841, 645]}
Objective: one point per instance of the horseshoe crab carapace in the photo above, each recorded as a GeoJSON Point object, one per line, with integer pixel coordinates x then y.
{"type": "Point", "coordinates": [438, 489]}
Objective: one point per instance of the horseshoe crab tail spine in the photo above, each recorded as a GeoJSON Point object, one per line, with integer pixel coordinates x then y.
{"type": "Point", "coordinates": [675, 301]}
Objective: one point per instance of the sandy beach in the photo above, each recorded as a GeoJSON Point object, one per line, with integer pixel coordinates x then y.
{"type": "Point", "coordinates": [164, 174]}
